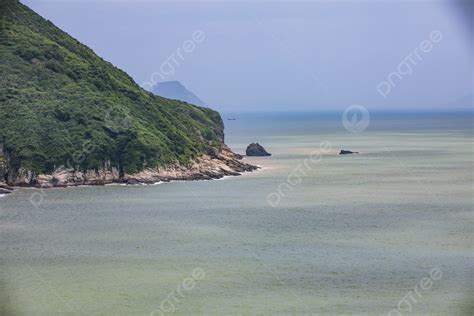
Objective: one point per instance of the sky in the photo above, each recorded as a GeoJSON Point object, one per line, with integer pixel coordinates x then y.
{"type": "Point", "coordinates": [286, 55]}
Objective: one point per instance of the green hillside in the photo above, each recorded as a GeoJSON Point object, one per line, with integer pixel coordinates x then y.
{"type": "Point", "coordinates": [62, 104]}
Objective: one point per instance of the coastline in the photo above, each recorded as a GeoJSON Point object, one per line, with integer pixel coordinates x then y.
{"type": "Point", "coordinates": [207, 167]}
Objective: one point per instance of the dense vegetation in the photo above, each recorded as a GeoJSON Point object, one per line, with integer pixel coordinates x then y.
{"type": "Point", "coordinates": [62, 104]}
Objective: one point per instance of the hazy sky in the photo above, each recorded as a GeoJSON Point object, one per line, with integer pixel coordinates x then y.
{"type": "Point", "coordinates": [285, 55]}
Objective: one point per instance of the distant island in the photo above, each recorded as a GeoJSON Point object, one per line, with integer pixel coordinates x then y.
{"type": "Point", "coordinates": [71, 118]}
{"type": "Point", "coordinates": [176, 91]}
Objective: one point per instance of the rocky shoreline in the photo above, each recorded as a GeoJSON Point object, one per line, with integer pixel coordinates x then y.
{"type": "Point", "coordinates": [5, 189]}
{"type": "Point", "coordinates": [213, 165]}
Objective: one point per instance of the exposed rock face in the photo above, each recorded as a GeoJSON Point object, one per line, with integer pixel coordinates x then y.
{"type": "Point", "coordinates": [5, 189]}
{"type": "Point", "coordinates": [256, 150]}
{"type": "Point", "coordinates": [3, 163]}
{"type": "Point", "coordinates": [64, 177]}
{"type": "Point", "coordinates": [347, 152]}
{"type": "Point", "coordinates": [214, 165]}
{"type": "Point", "coordinates": [205, 168]}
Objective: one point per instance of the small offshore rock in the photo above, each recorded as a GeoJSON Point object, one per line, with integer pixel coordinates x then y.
{"type": "Point", "coordinates": [347, 152]}
{"type": "Point", "coordinates": [255, 149]}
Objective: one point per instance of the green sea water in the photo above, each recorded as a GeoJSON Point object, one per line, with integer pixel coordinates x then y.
{"type": "Point", "coordinates": [348, 235]}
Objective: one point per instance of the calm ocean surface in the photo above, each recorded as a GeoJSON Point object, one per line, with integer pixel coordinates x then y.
{"type": "Point", "coordinates": [350, 234]}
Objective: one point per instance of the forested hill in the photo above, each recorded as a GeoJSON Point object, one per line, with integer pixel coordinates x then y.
{"type": "Point", "coordinates": [61, 104]}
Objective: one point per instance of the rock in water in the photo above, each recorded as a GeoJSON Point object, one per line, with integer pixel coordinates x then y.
{"type": "Point", "coordinates": [347, 152]}
{"type": "Point", "coordinates": [256, 150]}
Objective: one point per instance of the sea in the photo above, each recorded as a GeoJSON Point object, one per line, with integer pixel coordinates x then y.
{"type": "Point", "coordinates": [386, 231]}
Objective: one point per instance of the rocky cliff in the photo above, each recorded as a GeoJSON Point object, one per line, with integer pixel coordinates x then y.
{"type": "Point", "coordinates": [206, 167]}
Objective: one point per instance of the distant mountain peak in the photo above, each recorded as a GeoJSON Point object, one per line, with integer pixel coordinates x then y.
{"type": "Point", "coordinates": [176, 90]}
